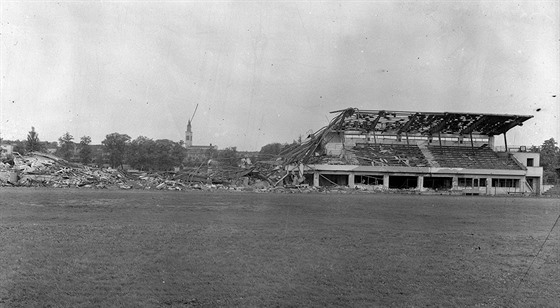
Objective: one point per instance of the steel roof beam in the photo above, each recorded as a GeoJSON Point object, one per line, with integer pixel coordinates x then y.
{"type": "Point", "coordinates": [407, 125]}
{"type": "Point", "coordinates": [469, 129]}
{"type": "Point", "coordinates": [439, 127]}
{"type": "Point", "coordinates": [507, 126]}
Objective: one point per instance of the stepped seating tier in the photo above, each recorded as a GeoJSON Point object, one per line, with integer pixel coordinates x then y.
{"type": "Point", "coordinates": [390, 155]}
{"type": "Point", "coordinates": [471, 158]}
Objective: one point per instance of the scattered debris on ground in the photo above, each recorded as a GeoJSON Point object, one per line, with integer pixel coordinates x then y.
{"type": "Point", "coordinates": [45, 170]}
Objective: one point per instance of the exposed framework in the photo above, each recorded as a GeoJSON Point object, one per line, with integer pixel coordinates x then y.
{"type": "Point", "coordinates": [385, 122]}
{"type": "Point", "coordinates": [427, 123]}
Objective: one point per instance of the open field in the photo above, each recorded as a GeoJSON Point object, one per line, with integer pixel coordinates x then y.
{"type": "Point", "coordinates": [84, 248]}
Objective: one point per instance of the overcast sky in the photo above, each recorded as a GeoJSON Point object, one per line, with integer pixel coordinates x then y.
{"type": "Point", "coordinates": [266, 72]}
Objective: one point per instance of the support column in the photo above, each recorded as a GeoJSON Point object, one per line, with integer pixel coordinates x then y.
{"type": "Point", "coordinates": [385, 181]}
{"type": "Point", "coordinates": [489, 186]}
{"type": "Point", "coordinates": [522, 184]}
{"type": "Point", "coordinates": [420, 186]}
{"type": "Point", "coordinates": [455, 183]}
{"type": "Point", "coordinates": [491, 142]}
{"type": "Point", "coordinates": [316, 179]}
{"type": "Point", "coordinates": [351, 183]}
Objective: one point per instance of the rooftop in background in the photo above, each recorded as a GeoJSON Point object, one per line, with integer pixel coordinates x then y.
{"type": "Point", "coordinates": [427, 123]}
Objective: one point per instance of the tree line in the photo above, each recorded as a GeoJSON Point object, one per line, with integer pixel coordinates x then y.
{"type": "Point", "coordinates": [117, 150]}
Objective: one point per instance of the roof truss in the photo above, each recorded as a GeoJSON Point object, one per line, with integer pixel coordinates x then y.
{"type": "Point", "coordinates": [427, 123]}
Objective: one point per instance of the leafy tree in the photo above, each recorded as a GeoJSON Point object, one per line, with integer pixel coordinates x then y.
{"type": "Point", "coordinates": [146, 154]}
{"type": "Point", "coordinates": [99, 159]}
{"type": "Point", "coordinates": [19, 146]}
{"type": "Point", "coordinates": [168, 154]}
{"type": "Point", "coordinates": [228, 156]}
{"type": "Point", "coordinates": [550, 159]}
{"type": "Point", "coordinates": [212, 152]}
{"type": "Point", "coordinates": [270, 150]}
{"type": "Point", "coordinates": [33, 142]}
{"type": "Point", "coordinates": [139, 153]}
{"type": "Point", "coordinates": [115, 145]}
{"type": "Point", "coordinates": [66, 146]}
{"type": "Point", "coordinates": [85, 150]}
{"type": "Point", "coordinates": [549, 154]}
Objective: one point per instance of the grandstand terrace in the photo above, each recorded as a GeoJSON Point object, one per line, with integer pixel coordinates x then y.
{"type": "Point", "coordinates": [426, 152]}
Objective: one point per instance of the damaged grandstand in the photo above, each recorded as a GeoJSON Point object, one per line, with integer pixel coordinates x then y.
{"type": "Point", "coordinates": [417, 151]}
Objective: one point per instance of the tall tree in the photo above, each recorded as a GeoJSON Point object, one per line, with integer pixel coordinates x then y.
{"type": "Point", "coordinates": [66, 149]}
{"type": "Point", "coordinates": [550, 159]}
{"type": "Point", "coordinates": [228, 156]}
{"type": "Point", "coordinates": [98, 159]}
{"type": "Point", "coordinates": [169, 154]}
{"type": "Point", "coordinates": [19, 146]}
{"type": "Point", "coordinates": [550, 153]}
{"type": "Point", "coordinates": [146, 154]}
{"type": "Point", "coordinates": [115, 145]}
{"type": "Point", "coordinates": [33, 142]}
{"type": "Point", "coordinates": [139, 153]}
{"type": "Point", "coordinates": [270, 150]}
{"type": "Point", "coordinates": [85, 150]}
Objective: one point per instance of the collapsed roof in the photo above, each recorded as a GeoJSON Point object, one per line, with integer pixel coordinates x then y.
{"type": "Point", "coordinates": [427, 123]}
{"type": "Point", "coordinates": [385, 122]}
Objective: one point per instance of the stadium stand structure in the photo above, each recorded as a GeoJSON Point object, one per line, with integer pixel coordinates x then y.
{"type": "Point", "coordinates": [472, 158]}
{"type": "Point", "coordinates": [419, 151]}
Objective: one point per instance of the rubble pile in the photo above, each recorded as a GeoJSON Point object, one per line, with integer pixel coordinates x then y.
{"type": "Point", "coordinates": [44, 170]}
{"type": "Point", "coordinates": [39, 169]}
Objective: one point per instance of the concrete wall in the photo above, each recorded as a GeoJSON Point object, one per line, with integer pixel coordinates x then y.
{"type": "Point", "coordinates": [535, 171]}
{"type": "Point", "coordinates": [335, 145]}
{"type": "Point", "coordinates": [522, 158]}
{"type": "Point", "coordinates": [485, 189]}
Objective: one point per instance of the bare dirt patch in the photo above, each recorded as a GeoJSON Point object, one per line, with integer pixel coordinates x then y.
{"type": "Point", "coordinates": [83, 248]}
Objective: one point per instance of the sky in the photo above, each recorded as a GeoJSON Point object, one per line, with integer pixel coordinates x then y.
{"type": "Point", "coordinates": [263, 72]}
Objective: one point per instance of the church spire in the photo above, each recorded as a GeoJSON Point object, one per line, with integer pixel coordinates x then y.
{"type": "Point", "coordinates": [188, 135]}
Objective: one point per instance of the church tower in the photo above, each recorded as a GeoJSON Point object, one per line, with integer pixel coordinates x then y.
{"type": "Point", "coordinates": [188, 135]}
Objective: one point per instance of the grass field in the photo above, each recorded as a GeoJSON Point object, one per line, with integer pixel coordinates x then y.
{"type": "Point", "coordinates": [84, 248]}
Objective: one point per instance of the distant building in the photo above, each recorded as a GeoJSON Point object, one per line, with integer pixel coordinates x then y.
{"type": "Point", "coordinates": [196, 152]}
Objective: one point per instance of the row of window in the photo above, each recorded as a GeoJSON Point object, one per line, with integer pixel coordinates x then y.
{"type": "Point", "coordinates": [505, 183]}
{"type": "Point", "coordinates": [462, 182]}
{"type": "Point", "coordinates": [474, 182]}
{"type": "Point", "coordinates": [401, 137]}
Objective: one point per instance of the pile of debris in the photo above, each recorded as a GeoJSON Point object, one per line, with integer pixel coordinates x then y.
{"type": "Point", "coordinates": [40, 169]}
{"type": "Point", "coordinates": [43, 170]}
